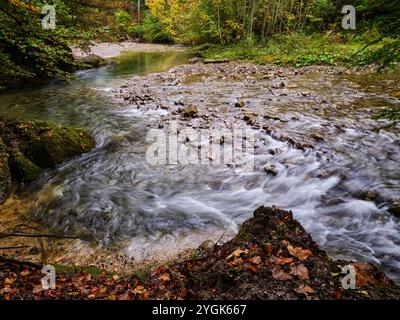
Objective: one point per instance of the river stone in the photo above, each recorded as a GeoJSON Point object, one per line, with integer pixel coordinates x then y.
{"type": "Point", "coordinates": [190, 111]}
{"type": "Point", "coordinates": [394, 209]}
{"type": "Point", "coordinates": [5, 176]}
{"type": "Point", "coordinates": [271, 169]}
{"type": "Point", "coordinates": [92, 61]}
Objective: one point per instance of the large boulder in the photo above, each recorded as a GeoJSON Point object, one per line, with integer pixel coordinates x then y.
{"type": "Point", "coordinates": [46, 143]}
{"type": "Point", "coordinates": [28, 147]}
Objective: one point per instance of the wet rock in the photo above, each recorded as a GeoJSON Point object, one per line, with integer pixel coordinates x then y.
{"type": "Point", "coordinates": [195, 60]}
{"type": "Point", "coordinates": [317, 137]}
{"type": "Point", "coordinates": [271, 169]}
{"type": "Point", "coordinates": [367, 195]}
{"type": "Point", "coordinates": [240, 104]}
{"type": "Point", "coordinates": [279, 85]}
{"type": "Point", "coordinates": [92, 61]}
{"type": "Point", "coordinates": [394, 209]}
{"type": "Point", "coordinates": [190, 111]}
{"type": "Point", "coordinates": [249, 118]}
{"type": "Point", "coordinates": [5, 176]}
{"type": "Point", "coordinates": [22, 168]}
{"type": "Point", "coordinates": [46, 143]}
{"type": "Point", "coordinates": [28, 147]}
{"type": "Point", "coordinates": [207, 245]}
{"type": "Point", "coordinates": [274, 151]}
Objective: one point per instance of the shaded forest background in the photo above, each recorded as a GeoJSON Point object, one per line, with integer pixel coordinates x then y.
{"type": "Point", "coordinates": [298, 32]}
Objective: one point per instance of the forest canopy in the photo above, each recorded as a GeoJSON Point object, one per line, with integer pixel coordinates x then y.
{"type": "Point", "coordinates": [304, 28]}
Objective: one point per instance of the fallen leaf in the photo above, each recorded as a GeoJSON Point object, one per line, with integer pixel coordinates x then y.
{"type": "Point", "coordinates": [9, 281]}
{"type": "Point", "coordinates": [165, 277]}
{"type": "Point", "coordinates": [236, 262]}
{"type": "Point", "coordinates": [237, 253]}
{"type": "Point", "coordinates": [256, 260]}
{"type": "Point", "coordinates": [124, 296]}
{"type": "Point", "coordinates": [304, 289]}
{"type": "Point", "coordinates": [299, 253]}
{"type": "Point", "coordinates": [300, 271]}
{"type": "Point", "coordinates": [250, 267]}
{"type": "Point", "coordinates": [281, 260]}
{"type": "Point", "coordinates": [268, 248]}
{"type": "Point", "coordinates": [279, 274]}
{"type": "Point", "coordinates": [25, 273]}
{"type": "Point", "coordinates": [160, 269]}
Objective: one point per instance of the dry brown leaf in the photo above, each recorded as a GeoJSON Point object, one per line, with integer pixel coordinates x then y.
{"type": "Point", "coordinates": [304, 289]}
{"type": "Point", "coordinates": [165, 277]}
{"type": "Point", "coordinates": [256, 260]}
{"type": "Point", "coordinates": [160, 269]}
{"type": "Point", "coordinates": [300, 271]}
{"type": "Point", "coordinates": [9, 281]}
{"type": "Point", "coordinates": [236, 262]}
{"type": "Point", "coordinates": [299, 253]}
{"type": "Point", "coordinates": [281, 260]}
{"type": "Point", "coordinates": [250, 267]}
{"type": "Point", "coordinates": [268, 248]}
{"type": "Point", "coordinates": [279, 274]}
{"type": "Point", "coordinates": [25, 273]}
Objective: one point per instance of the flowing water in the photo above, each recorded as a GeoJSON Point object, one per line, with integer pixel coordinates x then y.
{"type": "Point", "coordinates": [339, 190]}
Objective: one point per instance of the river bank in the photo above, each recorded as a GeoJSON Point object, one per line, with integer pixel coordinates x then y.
{"type": "Point", "coordinates": [272, 257]}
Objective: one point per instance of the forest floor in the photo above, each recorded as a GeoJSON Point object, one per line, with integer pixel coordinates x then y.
{"type": "Point", "coordinates": [272, 257]}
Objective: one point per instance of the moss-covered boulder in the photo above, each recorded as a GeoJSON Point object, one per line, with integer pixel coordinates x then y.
{"type": "Point", "coordinates": [45, 143]}
{"type": "Point", "coordinates": [23, 169]}
{"type": "Point", "coordinates": [28, 147]}
{"type": "Point", "coordinates": [5, 176]}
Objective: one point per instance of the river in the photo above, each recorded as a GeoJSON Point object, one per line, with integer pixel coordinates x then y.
{"type": "Point", "coordinates": [339, 189]}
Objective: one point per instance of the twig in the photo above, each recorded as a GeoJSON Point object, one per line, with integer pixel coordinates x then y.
{"type": "Point", "coordinates": [34, 235]}
{"type": "Point", "coordinates": [21, 263]}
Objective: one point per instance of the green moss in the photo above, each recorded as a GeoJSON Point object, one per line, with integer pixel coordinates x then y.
{"type": "Point", "coordinates": [70, 269]}
{"type": "Point", "coordinates": [22, 168]}
{"type": "Point", "coordinates": [245, 233]}
{"type": "Point", "coordinates": [48, 144]}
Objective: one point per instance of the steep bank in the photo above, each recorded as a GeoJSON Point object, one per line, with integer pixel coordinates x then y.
{"type": "Point", "coordinates": [272, 257]}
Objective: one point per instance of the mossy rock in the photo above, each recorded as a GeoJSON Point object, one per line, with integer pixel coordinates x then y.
{"type": "Point", "coordinates": [46, 144]}
{"type": "Point", "coordinates": [5, 176]}
{"type": "Point", "coordinates": [22, 168]}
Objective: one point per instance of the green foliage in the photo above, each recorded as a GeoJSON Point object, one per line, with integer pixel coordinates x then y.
{"type": "Point", "coordinates": [385, 52]}
{"type": "Point", "coordinates": [296, 49]}
{"type": "Point", "coordinates": [152, 30]}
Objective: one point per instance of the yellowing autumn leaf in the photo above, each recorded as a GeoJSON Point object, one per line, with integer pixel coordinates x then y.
{"type": "Point", "coordinates": [25, 273]}
{"type": "Point", "coordinates": [281, 260]}
{"type": "Point", "coordinates": [237, 253]}
{"type": "Point", "coordinates": [299, 253]}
